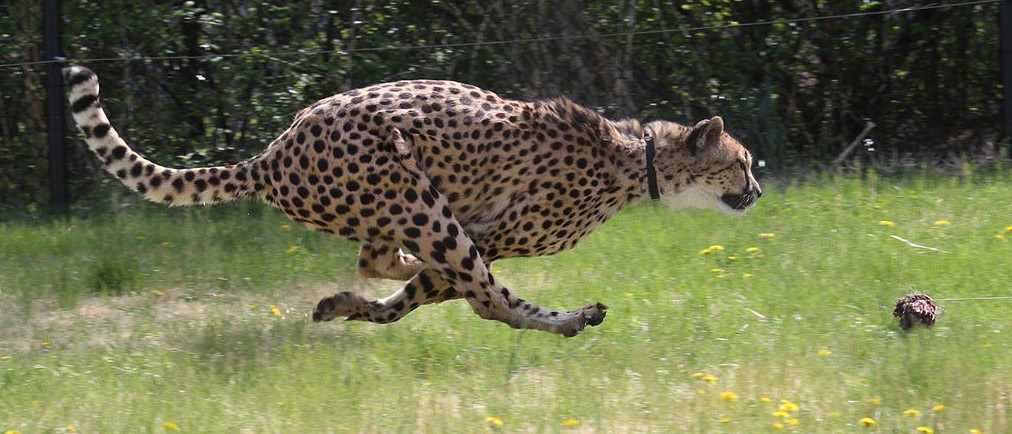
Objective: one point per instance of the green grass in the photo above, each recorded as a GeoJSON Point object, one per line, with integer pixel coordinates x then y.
{"type": "Point", "coordinates": [199, 318]}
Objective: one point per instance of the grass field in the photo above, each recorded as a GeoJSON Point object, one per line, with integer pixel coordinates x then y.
{"type": "Point", "coordinates": [196, 320]}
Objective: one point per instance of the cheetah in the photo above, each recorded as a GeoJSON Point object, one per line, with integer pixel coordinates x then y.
{"type": "Point", "coordinates": [437, 179]}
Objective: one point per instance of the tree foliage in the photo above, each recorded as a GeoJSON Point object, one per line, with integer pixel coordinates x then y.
{"type": "Point", "coordinates": [211, 81]}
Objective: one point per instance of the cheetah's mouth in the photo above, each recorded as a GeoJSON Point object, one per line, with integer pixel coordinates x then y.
{"type": "Point", "coordinates": [739, 202]}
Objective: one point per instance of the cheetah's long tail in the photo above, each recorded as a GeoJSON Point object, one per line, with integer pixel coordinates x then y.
{"type": "Point", "coordinates": [157, 183]}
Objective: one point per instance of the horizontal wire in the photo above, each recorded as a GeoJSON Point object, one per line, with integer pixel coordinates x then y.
{"type": "Point", "coordinates": [506, 41]}
{"type": "Point", "coordinates": [975, 298]}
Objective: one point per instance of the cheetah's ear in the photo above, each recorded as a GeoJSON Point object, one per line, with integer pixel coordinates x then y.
{"type": "Point", "coordinates": [705, 133]}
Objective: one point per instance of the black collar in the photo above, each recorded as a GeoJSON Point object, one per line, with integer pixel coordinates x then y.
{"type": "Point", "coordinates": [655, 193]}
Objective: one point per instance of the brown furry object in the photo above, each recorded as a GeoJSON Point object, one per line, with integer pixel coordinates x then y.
{"type": "Point", "coordinates": [915, 307]}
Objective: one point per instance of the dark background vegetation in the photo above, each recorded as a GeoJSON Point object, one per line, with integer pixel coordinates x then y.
{"type": "Point", "coordinates": [214, 81]}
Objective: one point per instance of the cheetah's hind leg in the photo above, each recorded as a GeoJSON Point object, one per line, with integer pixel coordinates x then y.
{"type": "Point", "coordinates": [426, 287]}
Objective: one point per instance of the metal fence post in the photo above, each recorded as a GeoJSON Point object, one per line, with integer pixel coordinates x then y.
{"type": "Point", "coordinates": [1006, 63]}
{"type": "Point", "coordinates": [55, 117]}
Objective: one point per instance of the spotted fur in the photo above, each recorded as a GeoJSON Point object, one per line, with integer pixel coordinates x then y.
{"type": "Point", "coordinates": [437, 179]}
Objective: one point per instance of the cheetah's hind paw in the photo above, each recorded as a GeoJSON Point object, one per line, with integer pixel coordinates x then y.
{"type": "Point", "coordinates": [346, 304]}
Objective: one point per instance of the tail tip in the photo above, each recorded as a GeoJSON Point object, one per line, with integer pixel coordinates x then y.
{"type": "Point", "coordinates": [74, 75]}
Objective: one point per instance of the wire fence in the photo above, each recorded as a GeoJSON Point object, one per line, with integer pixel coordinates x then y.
{"type": "Point", "coordinates": [475, 44]}
{"type": "Point", "coordinates": [796, 91]}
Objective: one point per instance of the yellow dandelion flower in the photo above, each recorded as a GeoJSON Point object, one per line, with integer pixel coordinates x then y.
{"type": "Point", "coordinates": [427, 383]}
{"type": "Point", "coordinates": [275, 310]}
{"type": "Point", "coordinates": [911, 412]}
{"type": "Point", "coordinates": [717, 270]}
{"type": "Point", "coordinates": [1008, 228]}
{"type": "Point", "coordinates": [158, 293]}
{"type": "Point", "coordinates": [942, 223]}
{"type": "Point", "coordinates": [875, 400]}
{"type": "Point", "coordinates": [793, 422]}
{"type": "Point", "coordinates": [938, 407]}
{"type": "Point", "coordinates": [46, 343]}
{"type": "Point", "coordinates": [732, 258]}
{"type": "Point", "coordinates": [925, 430]}
{"type": "Point", "coordinates": [5, 358]}
{"type": "Point", "coordinates": [867, 422]}
{"type": "Point", "coordinates": [747, 276]}
{"type": "Point", "coordinates": [988, 345]}
{"type": "Point", "coordinates": [292, 249]}
{"type": "Point", "coordinates": [824, 352]}
{"type": "Point", "coordinates": [720, 276]}
{"type": "Point", "coordinates": [766, 399]}
{"type": "Point", "coordinates": [71, 428]}
{"type": "Point", "coordinates": [286, 227]}
{"type": "Point", "coordinates": [886, 223]}
{"type": "Point", "coordinates": [698, 376]}
{"type": "Point", "coordinates": [788, 406]}
{"type": "Point", "coordinates": [716, 248]}
{"type": "Point", "coordinates": [729, 396]}
{"type": "Point", "coordinates": [1001, 237]}
{"type": "Point", "coordinates": [165, 244]}
{"type": "Point", "coordinates": [752, 250]}
{"type": "Point", "coordinates": [781, 414]}
{"type": "Point", "coordinates": [975, 430]}
{"type": "Point", "coordinates": [494, 420]}
{"type": "Point", "coordinates": [724, 420]}
{"type": "Point", "coordinates": [705, 252]}
{"type": "Point", "coordinates": [12, 431]}
{"type": "Point", "coordinates": [778, 425]}
{"type": "Point", "coordinates": [170, 425]}
{"type": "Point", "coordinates": [569, 423]}
{"type": "Point", "coordinates": [701, 392]}
{"type": "Point", "coordinates": [709, 378]}
{"type": "Point", "coordinates": [767, 235]}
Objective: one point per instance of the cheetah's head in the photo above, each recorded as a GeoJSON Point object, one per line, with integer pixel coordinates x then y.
{"type": "Point", "coordinates": [703, 167]}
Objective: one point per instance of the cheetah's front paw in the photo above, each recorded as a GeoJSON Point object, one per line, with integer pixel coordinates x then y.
{"type": "Point", "coordinates": [589, 315]}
